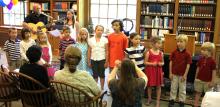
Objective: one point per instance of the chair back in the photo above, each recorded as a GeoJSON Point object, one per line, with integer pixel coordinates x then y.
{"type": "Point", "coordinates": [33, 93]}
{"type": "Point", "coordinates": [8, 90]}
{"type": "Point", "coordinates": [71, 96]}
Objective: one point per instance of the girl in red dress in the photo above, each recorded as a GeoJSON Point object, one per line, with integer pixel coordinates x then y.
{"type": "Point", "coordinates": [154, 62]}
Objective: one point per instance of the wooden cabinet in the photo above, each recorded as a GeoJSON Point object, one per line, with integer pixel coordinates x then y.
{"type": "Point", "coordinates": [191, 17]}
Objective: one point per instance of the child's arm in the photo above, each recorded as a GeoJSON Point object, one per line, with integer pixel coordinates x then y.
{"type": "Point", "coordinates": [89, 56]}
{"type": "Point", "coordinates": [23, 52]}
{"type": "Point", "coordinates": [211, 84]}
{"type": "Point", "coordinates": [50, 54]}
{"type": "Point", "coordinates": [197, 71]}
{"type": "Point", "coordinates": [106, 55]}
{"type": "Point", "coordinates": [186, 72]}
{"type": "Point", "coordinates": [170, 70]}
{"type": "Point", "coordinates": [141, 74]}
{"type": "Point", "coordinates": [162, 62]}
{"type": "Point", "coordinates": [146, 60]}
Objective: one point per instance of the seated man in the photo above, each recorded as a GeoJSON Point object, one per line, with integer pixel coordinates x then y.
{"type": "Point", "coordinates": [70, 74]}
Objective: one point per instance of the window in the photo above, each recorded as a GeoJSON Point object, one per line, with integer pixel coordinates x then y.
{"type": "Point", "coordinates": [105, 11]}
{"type": "Point", "coordinates": [16, 15]}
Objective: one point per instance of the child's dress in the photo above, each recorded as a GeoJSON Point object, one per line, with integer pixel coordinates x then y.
{"type": "Point", "coordinates": [83, 63]}
{"type": "Point", "coordinates": [154, 73]}
{"type": "Point", "coordinates": [46, 57]}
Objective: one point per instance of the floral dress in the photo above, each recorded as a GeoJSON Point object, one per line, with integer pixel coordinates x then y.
{"type": "Point", "coordinates": [83, 65]}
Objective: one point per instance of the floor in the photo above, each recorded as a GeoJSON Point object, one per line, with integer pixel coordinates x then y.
{"type": "Point", "coordinates": [108, 99]}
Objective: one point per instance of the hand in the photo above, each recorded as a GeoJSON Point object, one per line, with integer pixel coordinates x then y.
{"type": "Point", "coordinates": [89, 64]}
{"type": "Point", "coordinates": [106, 64]}
{"type": "Point", "coordinates": [171, 77]}
{"type": "Point", "coordinates": [210, 84]}
{"type": "Point", "coordinates": [183, 78]}
{"type": "Point", "coordinates": [118, 63]}
{"type": "Point", "coordinates": [154, 64]}
{"type": "Point", "coordinates": [160, 64]}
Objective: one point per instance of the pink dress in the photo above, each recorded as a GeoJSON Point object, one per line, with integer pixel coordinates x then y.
{"type": "Point", "coordinates": [46, 57]}
{"type": "Point", "coordinates": [154, 73]}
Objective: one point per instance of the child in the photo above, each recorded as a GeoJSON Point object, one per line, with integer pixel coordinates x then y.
{"type": "Point", "coordinates": [136, 51]}
{"type": "Point", "coordinates": [12, 49]}
{"type": "Point", "coordinates": [118, 42]}
{"type": "Point", "coordinates": [98, 53]}
{"type": "Point", "coordinates": [46, 52]}
{"type": "Point", "coordinates": [180, 61]}
{"type": "Point", "coordinates": [205, 72]}
{"type": "Point", "coordinates": [65, 41]}
{"type": "Point", "coordinates": [25, 44]}
{"type": "Point", "coordinates": [154, 62]}
{"type": "Point", "coordinates": [83, 46]}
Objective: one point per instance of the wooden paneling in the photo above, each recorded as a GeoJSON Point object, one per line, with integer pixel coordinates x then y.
{"type": "Point", "coordinates": [170, 43]}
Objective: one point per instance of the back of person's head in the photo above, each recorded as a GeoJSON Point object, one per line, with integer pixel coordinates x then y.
{"type": "Point", "coordinates": [23, 32]}
{"type": "Point", "coordinates": [120, 23]}
{"type": "Point", "coordinates": [127, 82]}
{"type": "Point", "coordinates": [210, 47]}
{"type": "Point", "coordinates": [72, 56]}
{"type": "Point", "coordinates": [182, 37]}
{"type": "Point", "coordinates": [34, 53]}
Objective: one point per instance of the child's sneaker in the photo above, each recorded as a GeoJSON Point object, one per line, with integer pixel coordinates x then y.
{"type": "Point", "coordinates": [171, 103]}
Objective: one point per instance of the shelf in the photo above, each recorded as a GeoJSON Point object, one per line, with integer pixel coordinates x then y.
{"type": "Point", "coordinates": [148, 27]}
{"type": "Point", "coordinates": [158, 2]}
{"type": "Point", "coordinates": [190, 30]}
{"type": "Point", "coordinates": [60, 10]}
{"type": "Point", "coordinates": [197, 3]}
{"type": "Point", "coordinates": [197, 17]}
{"type": "Point", "coordinates": [157, 14]}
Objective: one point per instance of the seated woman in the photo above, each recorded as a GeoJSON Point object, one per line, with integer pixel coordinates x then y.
{"type": "Point", "coordinates": [35, 68]}
{"type": "Point", "coordinates": [70, 74]}
{"type": "Point", "coordinates": [127, 90]}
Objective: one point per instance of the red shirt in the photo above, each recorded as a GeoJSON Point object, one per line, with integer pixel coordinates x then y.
{"type": "Point", "coordinates": [117, 42]}
{"type": "Point", "coordinates": [206, 66]}
{"type": "Point", "coordinates": [180, 61]}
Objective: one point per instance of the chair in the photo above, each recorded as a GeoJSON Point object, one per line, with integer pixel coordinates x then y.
{"type": "Point", "coordinates": [33, 93]}
{"type": "Point", "coordinates": [8, 90]}
{"type": "Point", "coordinates": [71, 96]}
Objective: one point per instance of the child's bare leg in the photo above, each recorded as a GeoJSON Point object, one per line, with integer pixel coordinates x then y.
{"type": "Point", "coordinates": [197, 97]}
{"type": "Point", "coordinates": [158, 96]}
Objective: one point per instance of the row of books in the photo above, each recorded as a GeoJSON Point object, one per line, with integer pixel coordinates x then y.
{"type": "Point", "coordinates": [44, 6]}
{"type": "Point", "coordinates": [156, 22]}
{"type": "Point", "coordinates": [202, 37]}
{"type": "Point", "coordinates": [201, 25]}
{"type": "Point", "coordinates": [148, 33]}
{"type": "Point", "coordinates": [197, 1]}
{"type": "Point", "coordinates": [163, 9]}
{"type": "Point", "coordinates": [159, 0]}
{"type": "Point", "coordinates": [189, 10]}
{"type": "Point", "coordinates": [58, 6]}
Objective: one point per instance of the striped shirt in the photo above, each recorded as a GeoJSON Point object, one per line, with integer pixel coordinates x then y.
{"type": "Point", "coordinates": [13, 49]}
{"type": "Point", "coordinates": [136, 53]}
{"type": "Point", "coordinates": [63, 45]}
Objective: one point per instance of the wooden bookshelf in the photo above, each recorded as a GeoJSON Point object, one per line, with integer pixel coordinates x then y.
{"type": "Point", "coordinates": [189, 17]}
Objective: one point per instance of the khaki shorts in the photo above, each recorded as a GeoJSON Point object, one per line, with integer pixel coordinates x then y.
{"type": "Point", "coordinates": [201, 86]}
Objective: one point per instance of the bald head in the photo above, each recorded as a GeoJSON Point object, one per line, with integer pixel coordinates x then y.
{"type": "Point", "coordinates": [37, 8]}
